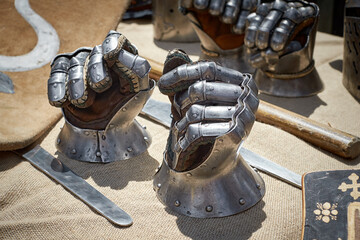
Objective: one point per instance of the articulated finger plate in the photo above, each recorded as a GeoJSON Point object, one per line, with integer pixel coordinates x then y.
{"type": "Point", "coordinates": [57, 82]}
{"type": "Point", "coordinates": [63, 69]}
{"type": "Point", "coordinates": [98, 76]}
{"type": "Point", "coordinates": [77, 85]}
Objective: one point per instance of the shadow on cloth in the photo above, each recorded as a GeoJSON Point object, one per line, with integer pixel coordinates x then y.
{"type": "Point", "coordinates": [337, 64]}
{"type": "Point", "coordinates": [304, 106]}
{"type": "Point", "coordinates": [239, 226]}
{"type": "Point", "coordinates": [115, 175]}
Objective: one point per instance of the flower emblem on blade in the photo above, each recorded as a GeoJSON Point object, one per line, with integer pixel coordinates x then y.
{"type": "Point", "coordinates": [326, 212]}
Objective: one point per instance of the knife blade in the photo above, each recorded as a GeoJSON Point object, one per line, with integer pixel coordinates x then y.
{"type": "Point", "coordinates": [161, 112]}
{"type": "Point", "coordinates": [61, 174]}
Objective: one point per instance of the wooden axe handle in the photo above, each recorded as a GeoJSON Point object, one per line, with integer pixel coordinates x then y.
{"type": "Point", "coordinates": [333, 140]}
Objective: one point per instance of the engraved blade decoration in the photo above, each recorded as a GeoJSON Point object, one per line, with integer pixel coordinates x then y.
{"type": "Point", "coordinates": [60, 173]}
{"type": "Point", "coordinates": [161, 113]}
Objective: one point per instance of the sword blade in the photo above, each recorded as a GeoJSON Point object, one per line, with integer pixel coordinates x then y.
{"type": "Point", "coordinates": [161, 113]}
{"type": "Point", "coordinates": [61, 174]}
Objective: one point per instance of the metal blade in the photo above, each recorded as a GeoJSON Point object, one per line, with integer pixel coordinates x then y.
{"type": "Point", "coordinates": [271, 168]}
{"type": "Point", "coordinates": [160, 112]}
{"type": "Point", "coordinates": [56, 170]}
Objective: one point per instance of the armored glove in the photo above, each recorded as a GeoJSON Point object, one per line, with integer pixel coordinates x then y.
{"type": "Point", "coordinates": [101, 91]}
{"type": "Point", "coordinates": [213, 112]}
{"type": "Point", "coordinates": [280, 37]}
{"type": "Point", "coordinates": [220, 25]}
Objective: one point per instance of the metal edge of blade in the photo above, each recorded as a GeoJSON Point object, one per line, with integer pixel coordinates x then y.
{"type": "Point", "coordinates": [40, 158]}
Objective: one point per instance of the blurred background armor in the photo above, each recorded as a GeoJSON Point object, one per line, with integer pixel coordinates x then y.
{"type": "Point", "coordinates": [169, 24]}
{"type": "Point", "coordinates": [351, 63]}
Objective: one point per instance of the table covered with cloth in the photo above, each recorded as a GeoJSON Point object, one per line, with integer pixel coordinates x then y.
{"type": "Point", "coordinates": [32, 206]}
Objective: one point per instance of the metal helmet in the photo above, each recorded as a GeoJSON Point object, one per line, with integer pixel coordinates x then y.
{"type": "Point", "coordinates": [351, 64]}
{"type": "Point", "coordinates": [202, 174]}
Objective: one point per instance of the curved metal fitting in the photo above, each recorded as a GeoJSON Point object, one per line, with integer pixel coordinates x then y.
{"type": "Point", "coordinates": [123, 137]}
{"type": "Point", "coordinates": [169, 24]}
{"type": "Point", "coordinates": [351, 64]}
{"type": "Point", "coordinates": [297, 79]}
{"type": "Point", "coordinates": [211, 190]}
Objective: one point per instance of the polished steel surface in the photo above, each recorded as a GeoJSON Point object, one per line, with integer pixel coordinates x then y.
{"type": "Point", "coordinates": [202, 175]}
{"type": "Point", "coordinates": [271, 168]}
{"type": "Point", "coordinates": [162, 115]}
{"type": "Point", "coordinates": [169, 24]}
{"type": "Point", "coordinates": [61, 174]}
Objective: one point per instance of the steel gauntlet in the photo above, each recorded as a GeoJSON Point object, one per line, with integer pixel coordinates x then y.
{"type": "Point", "coordinates": [280, 38]}
{"type": "Point", "coordinates": [101, 91]}
{"type": "Point", "coordinates": [213, 112]}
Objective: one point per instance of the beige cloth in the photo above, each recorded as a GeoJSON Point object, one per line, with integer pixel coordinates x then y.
{"type": "Point", "coordinates": [34, 207]}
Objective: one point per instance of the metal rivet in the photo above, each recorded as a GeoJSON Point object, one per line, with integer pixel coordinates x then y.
{"type": "Point", "coordinates": [136, 97]}
{"type": "Point", "coordinates": [73, 81]}
{"type": "Point", "coordinates": [229, 108]}
{"type": "Point", "coordinates": [55, 97]}
{"type": "Point", "coordinates": [258, 186]}
{"type": "Point", "coordinates": [94, 66]}
{"type": "Point", "coordinates": [194, 136]}
{"type": "Point", "coordinates": [73, 151]}
{"type": "Point", "coordinates": [58, 141]}
{"type": "Point", "coordinates": [195, 115]}
{"type": "Point", "coordinates": [86, 133]}
{"type": "Point", "coordinates": [111, 125]}
{"type": "Point", "coordinates": [124, 109]}
{"type": "Point", "coordinates": [107, 49]}
{"type": "Point", "coordinates": [103, 137]}
{"type": "Point", "coordinates": [188, 174]}
{"type": "Point", "coordinates": [171, 116]}
{"type": "Point", "coordinates": [158, 185]}
{"type": "Point", "coordinates": [76, 95]}
{"type": "Point", "coordinates": [144, 127]}
{"type": "Point", "coordinates": [98, 154]}
{"type": "Point", "coordinates": [175, 72]}
{"type": "Point", "coordinates": [129, 149]}
{"type": "Point", "coordinates": [177, 203]}
{"type": "Point", "coordinates": [196, 99]}
{"type": "Point", "coordinates": [146, 139]}
{"type": "Point", "coordinates": [97, 77]}
{"type": "Point", "coordinates": [207, 76]}
{"type": "Point", "coordinates": [55, 85]}
{"type": "Point", "coordinates": [242, 201]}
{"type": "Point", "coordinates": [216, 150]}
{"type": "Point", "coordinates": [209, 208]}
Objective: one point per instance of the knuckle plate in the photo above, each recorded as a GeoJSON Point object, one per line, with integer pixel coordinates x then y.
{"type": "Point", "coordinates": [57, 81]}
{"type": "Point", "coordinates": [98, 77]}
